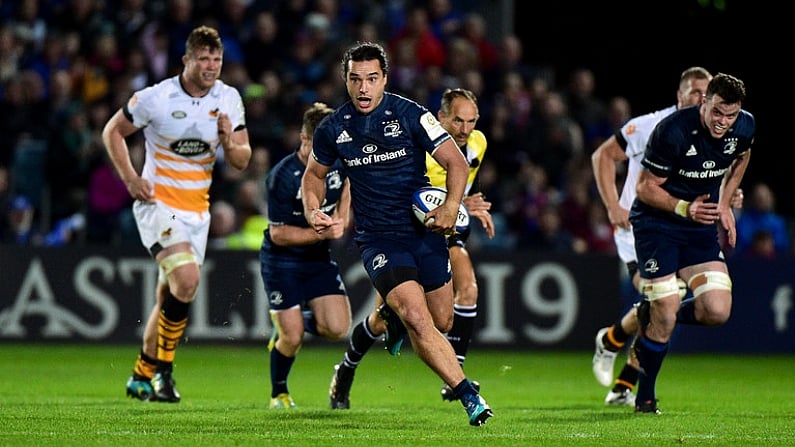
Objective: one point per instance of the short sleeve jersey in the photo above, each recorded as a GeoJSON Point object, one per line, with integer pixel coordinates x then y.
{"type": "Point", "coordinates": [181, 134]}
{"type": "Point", "coordinates": [383, 155]}
{"type": "Point", "coordinates": [285, 207]}
{"type": "Point", "coordinates": [474, 151]}
{"type": "Point", "coordinates": [694, 163]}
{"type": "Point", "coordinates": [632, 137]}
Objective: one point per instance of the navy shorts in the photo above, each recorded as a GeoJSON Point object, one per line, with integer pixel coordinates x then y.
{"type": "Point", "coordinates": [664, 247]}
{"type": "Point", "coordinates": [290, 284]}
{"type": "Point", "coordinates": [425, 252]}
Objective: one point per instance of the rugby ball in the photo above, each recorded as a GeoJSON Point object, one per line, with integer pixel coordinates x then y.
{"type": "Point", "coordinates": [428, 198]}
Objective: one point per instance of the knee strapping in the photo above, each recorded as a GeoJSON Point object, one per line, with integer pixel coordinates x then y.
{"type": "Point", "coordinates": [171, 262]}
{"type": "Point", "coordinates": [661, 289]}
{"type": "Point", "coordinates": [707, 281]}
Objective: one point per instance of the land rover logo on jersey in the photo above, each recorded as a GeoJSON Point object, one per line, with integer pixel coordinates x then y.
{"type": "Point", "coordinates": [190, 146]}
{"type": "Point", "coordinates": [178, 114]}
{"type": "Point", "coordinates": [369, 149]}
{"type": "Point", "coordinates": [709, 164]}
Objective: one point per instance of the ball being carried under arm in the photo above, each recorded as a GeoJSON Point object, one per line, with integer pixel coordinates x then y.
{"type": "Point", "coordinates": [429, 198]}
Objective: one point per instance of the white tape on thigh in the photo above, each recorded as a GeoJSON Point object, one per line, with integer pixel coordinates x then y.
{"type": "Point", "coordinates": [170, 262]}
{"type": "Point", "coordinates": [706, 281]}
{"type": "Point", "coordinates": [661, 289]}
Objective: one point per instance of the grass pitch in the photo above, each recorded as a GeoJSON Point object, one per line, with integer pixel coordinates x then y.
{"type": "Point", "coordinates": [73, 395]}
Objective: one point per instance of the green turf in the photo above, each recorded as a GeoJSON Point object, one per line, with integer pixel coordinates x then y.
{"type": "Point", "coordinates": [73, 395]}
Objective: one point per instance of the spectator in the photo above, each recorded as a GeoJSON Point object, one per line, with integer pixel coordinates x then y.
{"type": "Point", "coordinates": [561, 139]}
{"type": "Point", "coordinates": [760, 216]}
{"type": "Point", "coordinates": [223, 221]}
{"type": "Point", "coordinates": [29, 25]}
{"type": "Point", "coordinates": [67, 164]}
{"type": "Point", "coordinates": [20, 224]}
{"type": "Point", "coordinates": [763, 246]}
{"type": "Point", "coordinates": [24, 134]}
{"type": "Point", "coordinates": [475, 31]}
{"type": "Point", "coordinates": [445, 20]}
{"type": "Point", "coordinates": [551, 235]}
{"type": "Point", "coordinates": [583, 104]}
{"type": "Point", "coordinates": [261, 41]}
{"type": "Point", "coordinates": [155, 43]}
{"type": "Point", "coordinates": [108, 203]}
{"type": "Point", "coordinates": [10, 53]}
{"type": "Point", "coordinates": [461, 58]}
{"type": "Point", "coordinates": [417, 32]}
{"type": "Point", "coordinates": [619, 112]}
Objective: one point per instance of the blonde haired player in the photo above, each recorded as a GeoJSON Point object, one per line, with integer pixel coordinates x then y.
{"type": "Point", "coordinates": [185, 120]}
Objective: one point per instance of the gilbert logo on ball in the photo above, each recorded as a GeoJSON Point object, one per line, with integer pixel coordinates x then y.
{"type": "Point", "coordinates": [428, 198]}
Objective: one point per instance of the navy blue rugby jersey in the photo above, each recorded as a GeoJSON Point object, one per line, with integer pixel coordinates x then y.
{"type": "Point", "coordinates": [285, 206]}
{"type": "Point", "coordinates": [693, 162]}
{"type": "Point", "coordinates": [383, 154]}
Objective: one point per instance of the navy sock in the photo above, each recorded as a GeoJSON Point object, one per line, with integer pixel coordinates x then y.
{"type": "Point", "coordinates": [280, 369]}
{"type": "Point", "coordinates": [362, 338]}
{"type": "Point", "coordinates": [650, 355]}
{"type": "Point", "coordinates": [464, 388]}
{"type": "Point", "coordinates": [461, 332]}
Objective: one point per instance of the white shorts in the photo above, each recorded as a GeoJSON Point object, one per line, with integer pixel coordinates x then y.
{"type": "Point", "coordinates": [625, 244]}
{"type": "Point", "coordinates": [161, 225]}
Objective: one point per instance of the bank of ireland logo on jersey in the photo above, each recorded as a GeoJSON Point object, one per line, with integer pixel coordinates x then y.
{"type": "Point", "coordinates": [369, 148]}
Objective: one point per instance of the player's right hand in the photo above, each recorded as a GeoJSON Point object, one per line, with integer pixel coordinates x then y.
{"type": "Point", "coordinates": [140, 189]}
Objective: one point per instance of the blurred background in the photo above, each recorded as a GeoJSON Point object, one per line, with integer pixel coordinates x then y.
{"type": "Point", "coordinates": [554, 79]}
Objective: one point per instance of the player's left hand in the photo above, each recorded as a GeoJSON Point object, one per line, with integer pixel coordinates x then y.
{"type": "Point", "coordinates": [479, 207]}
{"type": "Point", "coordinates": [224, 129]}
{"type": "Point", "coordinates": [737, 199]}
{"type": "Point", "coordinates": [319, 221]}
{"type": "Point", "coordinates": [728, 223]}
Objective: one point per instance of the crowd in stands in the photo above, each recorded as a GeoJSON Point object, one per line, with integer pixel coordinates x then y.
{"type": "Point", "coordinates": [67, 65]}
